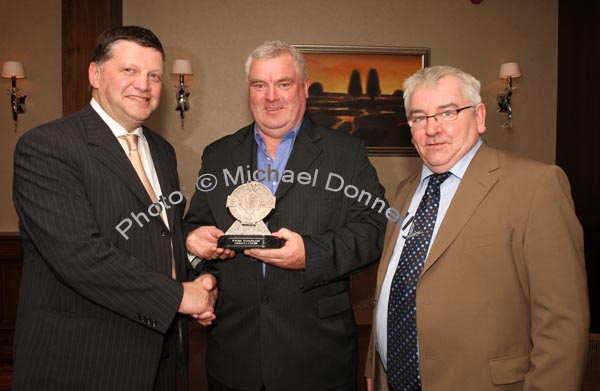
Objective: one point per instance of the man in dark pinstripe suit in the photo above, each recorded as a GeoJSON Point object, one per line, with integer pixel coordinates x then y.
{"type": "Point", "coordinates": [98, 305]}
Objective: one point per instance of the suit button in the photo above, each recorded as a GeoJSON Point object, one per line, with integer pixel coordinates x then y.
{"type": "Point", "coordinates": [164, 233]}
{"type": "Point", "coordinates": [154, 323]}
{"type": "Point", "coordinates": [137, 316]}
{"type": "Point", "coordinates": [264, 300]}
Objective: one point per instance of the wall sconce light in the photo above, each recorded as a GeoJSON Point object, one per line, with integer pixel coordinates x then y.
{"type": "Point", "coordinates": [181, 68]}
{"type": "Point", "coordinates": [508, 71]}
{"type": "Point", "coordinates": [14, 70]}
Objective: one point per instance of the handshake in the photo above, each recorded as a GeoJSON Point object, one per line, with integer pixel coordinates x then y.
{"type": "Point", "coordinates": [199, 297]}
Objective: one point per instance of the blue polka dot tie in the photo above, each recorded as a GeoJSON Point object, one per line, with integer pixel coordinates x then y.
{"type": "Point", "coordinates": [402, 354]}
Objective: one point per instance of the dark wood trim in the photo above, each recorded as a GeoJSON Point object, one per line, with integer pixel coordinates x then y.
{"type": "Point", "coordinates": [11, 264]}
{"type": "Point", "coordinates": [577, 134]}
{"type": "Point", "coordinates": [11, 250]}
{"type": "Point", "coordinates": [82, 22]}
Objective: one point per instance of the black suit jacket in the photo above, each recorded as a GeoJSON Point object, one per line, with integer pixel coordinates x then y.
{"type": "Point", "coordinates": [93, 306]}
{"type": "Point", "coordinates": [292, 329]}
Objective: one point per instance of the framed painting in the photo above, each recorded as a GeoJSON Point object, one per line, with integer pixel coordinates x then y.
{"type": "Point", "coordinates": [358, 90]}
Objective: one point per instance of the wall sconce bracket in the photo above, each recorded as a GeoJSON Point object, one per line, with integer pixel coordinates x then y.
{"type": "Point", "coordinates": [13, 70]}
{"type": "Point", "coordinates": [508, 71]}
{"type": "Point", "coordinates": [182, 68]}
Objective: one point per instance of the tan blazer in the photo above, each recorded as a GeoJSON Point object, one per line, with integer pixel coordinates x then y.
{"type": "Point", "coordinates": [502, 300]}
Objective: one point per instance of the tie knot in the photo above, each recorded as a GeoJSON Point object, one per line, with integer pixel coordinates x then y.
{"type": "Point", "coordinates": [132, 141]}
{"type": "Point", "coordinates": [437, 179]}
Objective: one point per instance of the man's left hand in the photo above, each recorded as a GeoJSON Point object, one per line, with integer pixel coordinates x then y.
{"type": "Point", "coordinates": [290, 256]}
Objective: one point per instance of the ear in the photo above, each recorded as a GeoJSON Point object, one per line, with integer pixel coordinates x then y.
{"type": "Point", "coordinates": [306, 84]}
{"type": "Point", "coordinates": [94, 75]}
{"type": "Point", "coordinates": [480, 114]}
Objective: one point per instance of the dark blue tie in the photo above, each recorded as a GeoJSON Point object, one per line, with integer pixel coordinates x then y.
{"type": "Point", "coordinates": [402, 354]}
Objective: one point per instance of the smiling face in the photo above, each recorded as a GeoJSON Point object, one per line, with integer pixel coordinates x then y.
{"type": "Point", "coordinates": [277, 96]}
{"type": "Point", "coordinates": [442, 145]}
{"type": "Point", "coordinates": [128, 85]}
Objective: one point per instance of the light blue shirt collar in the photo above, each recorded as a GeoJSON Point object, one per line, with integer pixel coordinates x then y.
{"type": "Point", "coordinates": [261, 142]}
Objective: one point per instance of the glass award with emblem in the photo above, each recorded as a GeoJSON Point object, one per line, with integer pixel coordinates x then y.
{"type": "Point", "coordinates": [249, 204]}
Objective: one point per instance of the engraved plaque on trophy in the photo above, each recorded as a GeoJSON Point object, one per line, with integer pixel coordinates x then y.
{"type": "Point", "coordinates": [249, 204]}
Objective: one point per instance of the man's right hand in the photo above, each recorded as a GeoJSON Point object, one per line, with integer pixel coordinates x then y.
{"type": "Point", "coordinates": [202, 242]}
{"type": "Point", "coordinates": [199, 298]}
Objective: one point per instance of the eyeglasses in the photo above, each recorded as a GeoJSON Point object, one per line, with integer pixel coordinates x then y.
{"type": "Point", "coordinates": [420, 120]}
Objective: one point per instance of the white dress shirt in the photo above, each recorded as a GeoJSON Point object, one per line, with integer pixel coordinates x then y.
{"type": "Point", "coordinates": [143, 150]}
{"type": "Point", "coordinates": [447, 190]}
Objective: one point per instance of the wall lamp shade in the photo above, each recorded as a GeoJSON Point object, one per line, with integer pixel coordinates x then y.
{"type": "Point", "coordinates": [14, 70]}
{"type": "Point", "coordinates": [181, 68]}
{"type": "Point", "coordinates": [508, 71]}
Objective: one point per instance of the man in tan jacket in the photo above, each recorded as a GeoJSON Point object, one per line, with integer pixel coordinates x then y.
{"type": "Point", "coordinates": [498, 299]}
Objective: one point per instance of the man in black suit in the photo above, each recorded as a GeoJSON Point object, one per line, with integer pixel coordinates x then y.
{"type": "Point", "coordinates": [284, 318]}
{"type": "Point", "coordinates": [104, 258]}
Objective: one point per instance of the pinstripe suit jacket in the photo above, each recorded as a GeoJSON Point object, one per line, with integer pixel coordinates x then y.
{"type": "Point", "coordinates": [93, 305]}
{"type": "Point", "coordinates": [292, 329]}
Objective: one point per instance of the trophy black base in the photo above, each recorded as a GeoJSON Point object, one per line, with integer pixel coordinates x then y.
{"type": "Point", "coordinates": [242, 242]}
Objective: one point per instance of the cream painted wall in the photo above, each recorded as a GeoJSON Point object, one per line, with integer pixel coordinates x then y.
{"type": "Point", "coordinates": [30, 32]}
{"type": "Point", "coordinates": [217, 35]}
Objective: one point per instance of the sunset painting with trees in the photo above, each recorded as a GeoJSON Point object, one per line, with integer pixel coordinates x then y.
{"type": "Point", "coordinates": [361, 94]}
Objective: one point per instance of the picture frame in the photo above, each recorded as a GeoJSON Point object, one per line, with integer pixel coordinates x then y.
{"type": "Point", "coordinates": [358, 90]}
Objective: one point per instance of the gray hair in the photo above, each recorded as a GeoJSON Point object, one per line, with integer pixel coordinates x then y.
{"type": "Point", "coordinates": [272, 49]}
{"type": "Point", "coordinates": [428, 77]}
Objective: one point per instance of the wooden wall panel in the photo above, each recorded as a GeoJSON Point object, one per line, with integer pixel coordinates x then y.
{"type": "Point", "coordinates": [82, 22]}
{"type": "Point", "coordinates": [578, 130]}
{"type": "Point", "coordinates": [11, 260]}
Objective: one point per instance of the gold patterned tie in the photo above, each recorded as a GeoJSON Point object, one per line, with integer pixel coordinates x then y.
{"type": "Point", "coordinates": [136, 161]}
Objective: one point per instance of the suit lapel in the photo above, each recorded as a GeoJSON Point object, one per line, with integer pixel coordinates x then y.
{"type": "Point", "coordinates": [105, 148]}
{"type": "Point", "coordinates": [475, 185]}
{"type": "Point", "coordinates": [304, 153]}
{"type": "Point", "coordinates": [244, 153]}
{"type": "Point", "coordinates": [165, 178]}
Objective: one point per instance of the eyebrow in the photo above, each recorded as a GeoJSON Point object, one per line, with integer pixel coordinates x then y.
{"type": "Point", "coordinates": [287, 78]}
{"type": "Point", "coordinates": [438, 109]}
{"type": "Point", "coordinates": [137, 66]}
